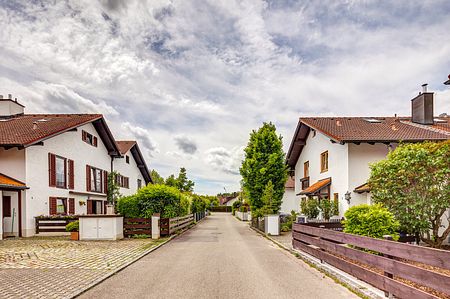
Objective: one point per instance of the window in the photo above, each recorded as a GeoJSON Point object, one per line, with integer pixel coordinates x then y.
{"type": "Point", "coordinates": [60, 172]}
{"type": "Point", "coordinates": [122, 181]}
{"type": "Point", "coordinates": [139, 184]}
{"type": "Point", "coordinates": [324, 161]}
{"type": "Point", "coordinates": [127, 159]}
{"type": "Point", "coordinates": [61, 206]}
{"type": "Point", "coordinates": [306, 169]}
{"type": "Point", "coordinates": [89, 138]}
{"type": "Point", "coordinates": [96, 179]}
{"type": "Point", "coordinates": [95, 206]}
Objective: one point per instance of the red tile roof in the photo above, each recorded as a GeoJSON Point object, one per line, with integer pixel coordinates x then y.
{"type": "Point", "coordinates": [290, 183]}
{"type": "Point", "coordinates": [317, 186]}
{"type": "Point", "coordinates": [9, 182]}
{"type": "Point", "coordinates": [125, 146]}
{"type": "Point", "coordinates": [28, 129]}
{"type": "Point", "coordinates": [386, 129]}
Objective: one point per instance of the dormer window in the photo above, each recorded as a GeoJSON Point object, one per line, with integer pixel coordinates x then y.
{"type": "Point", "coordinates": [89, 138]}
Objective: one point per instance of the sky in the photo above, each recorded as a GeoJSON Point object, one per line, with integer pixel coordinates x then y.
{"type": "Point", "coordinates": [190, 79]}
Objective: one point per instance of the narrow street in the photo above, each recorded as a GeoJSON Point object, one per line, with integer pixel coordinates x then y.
{"type": "Point", "coordinates": [219, 258]}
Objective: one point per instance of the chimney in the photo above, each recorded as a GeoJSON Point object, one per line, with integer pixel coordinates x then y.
{"type": "Point", "coordinates": [422, 107]}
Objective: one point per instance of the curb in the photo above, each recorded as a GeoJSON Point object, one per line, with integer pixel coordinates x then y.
{"type": "Point", "coordinates": [352, 283]}
{"type": "Point", "coordinates": [115, 271]}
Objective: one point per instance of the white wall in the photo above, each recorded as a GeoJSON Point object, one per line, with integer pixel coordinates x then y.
{"type": "Point", "coordinates": [12, 163]}
{"type": "Point", "coordinates": [68, 145]}
{"type": "Point", "coordinates": [8, 108]}
{"type": "Point", "coordinates": [131, 171]}
{"type": "Point", "coordinates": [359, 158]}
{"type": "Point", "coordinates": [290, 201]}
{"type": "Point", "coordinates": [337, 165]}
{"type": "Point", "coordinates": [230, 202]}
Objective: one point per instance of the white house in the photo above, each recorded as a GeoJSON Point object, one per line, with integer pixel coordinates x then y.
{"type": "Point", "coordinates": [52, 164]}
{"type": "Point", "coordinates": [290, 200]}
{"type": "Point", "coordinates": [330, 156]}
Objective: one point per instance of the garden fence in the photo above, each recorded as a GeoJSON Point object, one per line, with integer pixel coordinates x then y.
{"type": "Point", "coordinates": [396, 268]}
{"type": "Point", "coordinates": [137, 226]}
{"type": "Point", "coordinates": [52, 224]}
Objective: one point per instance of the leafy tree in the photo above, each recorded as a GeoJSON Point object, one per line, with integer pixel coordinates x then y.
{"type": "Point", "coordinates": [271, 204]}
{"type": "Point", "coordinates": [183, 183]}
{"type": "Point", "coordinates": [310, 208]}
{"type": "Point", "coordinates": [328, 208]}
{"type": "Point", "coordinates": [371, 220]}
{"type": "Point", "coordinates": [264, 162]}
{"type": "Point", "coordinates": [413, 182]}
{"type": "Point", "coordinates": [171, 181]}
{"type": "Point", "coordinates": [156, 178]}
{"type": "Point", "coordinates": [113, 189]}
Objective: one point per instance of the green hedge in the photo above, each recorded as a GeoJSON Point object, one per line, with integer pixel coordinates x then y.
{"type": "Point", "coordinates": [220, 209]}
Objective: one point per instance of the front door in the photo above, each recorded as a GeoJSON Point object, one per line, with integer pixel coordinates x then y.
{"type": "Point", "coordinates": [7, 216]}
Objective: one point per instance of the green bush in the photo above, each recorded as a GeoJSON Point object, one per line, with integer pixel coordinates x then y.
{"type": "Point", "coordinates": [310, 207]}
{"type": "Point", "coordinates": [73, 226]}
{"type": "Point", "coordinates": [371, 220]}
{"type": "Point", "coordinates": [328, 208]}
{"type": "Point", "coordinates": [129, 206]}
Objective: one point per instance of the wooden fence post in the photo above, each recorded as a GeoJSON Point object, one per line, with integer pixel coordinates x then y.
{"type": "Point", "coordinates": [387, 274]}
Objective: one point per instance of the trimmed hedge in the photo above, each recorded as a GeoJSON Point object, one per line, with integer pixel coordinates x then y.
{"type": "Point", "coordinates": [220, 209]}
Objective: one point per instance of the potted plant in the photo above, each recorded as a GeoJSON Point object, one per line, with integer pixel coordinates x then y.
{"type": "Point", "coordinates": [73, 227]}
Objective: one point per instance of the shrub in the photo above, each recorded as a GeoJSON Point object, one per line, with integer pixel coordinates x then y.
{"type": "Point", "coordinates": [129, 206]}
{"type": "Point", "coordinates": [73, 226]}
{"type": "Point", "coordinates": [328, 208]}
{"type": "Point", "coordinates": [310, 208]}
{"type": "Point", "coordinates": [371, 220]}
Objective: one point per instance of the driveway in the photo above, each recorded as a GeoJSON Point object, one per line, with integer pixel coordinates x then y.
{"type": "Point", "coordinates": [219, 258]}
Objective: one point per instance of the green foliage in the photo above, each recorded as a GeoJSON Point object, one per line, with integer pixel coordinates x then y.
{"type": "Point", "coordinates": [171, 181]}
{"type": "Point", "coordinates": [413, 183]}
{"type": "Point", "coordinates": [328, 208]}
{"type": "Point", "coordinates": [199, 203]}
{"type": "Point", "coordinates": [73, 226]}
{"type": "Point", "coordinates": [271, 204]}
{"type": "Point", "coordinates": [371, 220]}
{"type": "Point", "coordinates": [310, 207]}
{"type": "Point", "coordinates": [113, 189]}
{"type": "Point", "coordinates": [156, 178]}
{"type": "Point", "coordinates": [264, 163]}
{"type": "Point", "coordinates": [166, 200]}
{"type": "Point", "coordinates": [183, 183]}
{"type": "Point", "coordinates": [141, 236]}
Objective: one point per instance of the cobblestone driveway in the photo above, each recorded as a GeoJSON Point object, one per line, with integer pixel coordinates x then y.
{"type": "Point", "coordinates": [59, 268]}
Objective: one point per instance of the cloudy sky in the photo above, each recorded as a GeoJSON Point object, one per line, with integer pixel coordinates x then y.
{"type": "Point", "coordinates": [190, 79]}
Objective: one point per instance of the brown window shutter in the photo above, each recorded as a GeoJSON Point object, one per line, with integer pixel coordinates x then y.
{"type": "Point", "coordinates": [89, 206]}
{"type": "Point", "coordinates": [71, 205]}
{"type": "Point", "coordinates": [52, 205]}
{"type": "Point", "coordinates": [104, 207]}
{"type": "Point", "coordinates": [71, 174]}
{"type": "Point", "coordinates": [88, 178]}
{"type": "Point", "coordinates": [51, 170]}
{"type": "Point", "coordinates": [95, 141]}
{"type": "Point", "coordinates": [105, 181]}
{"type": "Point", "coordinates": [83, 137]}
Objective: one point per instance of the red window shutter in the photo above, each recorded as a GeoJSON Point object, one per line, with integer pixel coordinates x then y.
{"type": "Point", "coordinates": [51, 170]}
{"type": "Point", "coordinates": [95, 141]}
{"type": "Point", "coordinates": [104, 207]}
{"type": "Point", "coordinates": [83, 136]}
{"type": "Point", "coordinates": [52, 205]}
{"type": "Point", "coordinates": [88, 178]}
{"type": "Point", "coordinates": [71, 205]}
{"type": "Point", "coordinates": [105, 181]}
{"type": "Point", "coordinates": [89, 206]}
{"type": "Point", "coordinates": [71, 174]}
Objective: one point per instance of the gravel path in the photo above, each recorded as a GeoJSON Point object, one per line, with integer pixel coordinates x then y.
{"type": "Point", "coordinates": [219, 258]}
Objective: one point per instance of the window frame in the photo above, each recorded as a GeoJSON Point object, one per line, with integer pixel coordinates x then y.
{"type": "Point", "coordinates": [306, 169]}
{"type": "Point", "coordinates": [139, 184]}
{"type": "Point", "coordinates": [64, 204]}
{"type": "Point", "coordinates": [324, 162]}
{"type": "Point", "coordinates": [94, 179]}
{"type": "Point", "coordinates": [89, 138]}
{"type": "Point", "coordinates": [127, 159]}
{"type": "Point", "coordinates": [65, 174]}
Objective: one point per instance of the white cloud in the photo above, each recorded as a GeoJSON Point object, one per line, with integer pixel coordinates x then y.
{"type": "Point", "coordinates": [143, 136]}
{"type": "Point", "coordinates": [227, 161]}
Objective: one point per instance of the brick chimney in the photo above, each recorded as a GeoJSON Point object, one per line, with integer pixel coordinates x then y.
{"type": "Point", "coordinates": [422, 107]}
{"type": "Point", "coordinates": [9, 107]}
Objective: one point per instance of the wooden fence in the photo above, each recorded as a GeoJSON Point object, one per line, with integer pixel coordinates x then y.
{"type": "Point", "coordinates": [172, 225]}
{"type": "Point", "coordinates": [330, 246]}
{"type": "Point", "coordinates": [137, 226]}
{"type": "Point", "coordinates": [52, 224]}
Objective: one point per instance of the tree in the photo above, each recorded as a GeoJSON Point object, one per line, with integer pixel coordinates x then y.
{"type": "Point", "coordinates": [183, 183]}
{"type": "Point", "coordinates": [264, 162]}
{"type": "Point", "coordinates": [171, 181]}
{"type": "Point", "coordinates": [413, 182]}
{"type": "Point", "coordinates": [113, 189]}
{"type": "Point", "coordinates": [271, 204]}
{"type": "Point", "coordinates": [156, 178]}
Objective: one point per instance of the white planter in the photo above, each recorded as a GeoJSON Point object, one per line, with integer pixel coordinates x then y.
{"type": "Point", "coordinates": [101, 227]}
{"type": "Point", "coordinates": [272, 225]}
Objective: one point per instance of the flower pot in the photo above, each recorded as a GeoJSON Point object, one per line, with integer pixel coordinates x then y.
{"type": "Point", "coordinates": [74, 236]}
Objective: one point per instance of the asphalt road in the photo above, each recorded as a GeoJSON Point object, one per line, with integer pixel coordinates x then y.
{"type": "Point", "coordinates": [219, 258]}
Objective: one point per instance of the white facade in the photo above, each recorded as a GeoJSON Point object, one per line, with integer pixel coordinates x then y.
{"type": "Point", "coordinates": [290, 201]}
{"type": "Point", "coordinates": [9, 107]}
{"type": "Point", "coordinates": [348, 167]}
{"type": "Point", "coordinates": [131, 171]}
{"type": "Point", "coordinates": [31, 166]}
